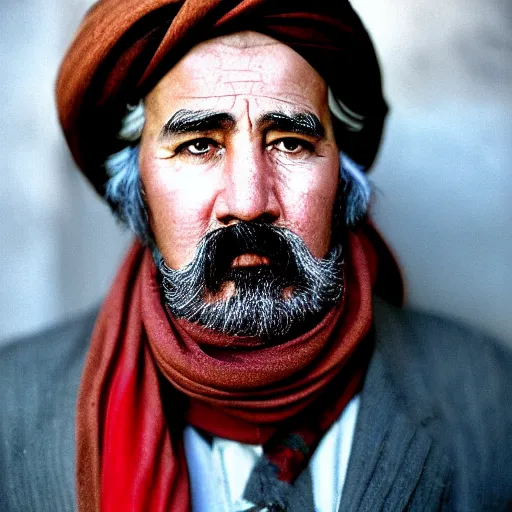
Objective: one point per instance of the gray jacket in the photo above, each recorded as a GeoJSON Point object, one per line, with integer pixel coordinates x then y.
{"type": "Point", "coordinates": [434, 430]}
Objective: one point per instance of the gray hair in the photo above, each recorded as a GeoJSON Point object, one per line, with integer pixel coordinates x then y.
{"type": "Point", "coordinates": [123, 189]}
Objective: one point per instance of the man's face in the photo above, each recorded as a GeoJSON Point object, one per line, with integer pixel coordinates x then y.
{"type": "Point", "coordinates": [240, 130]}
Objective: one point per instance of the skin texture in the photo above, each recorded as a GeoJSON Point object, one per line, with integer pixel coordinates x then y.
{"type": "Point", "coordinates": [245, 169]}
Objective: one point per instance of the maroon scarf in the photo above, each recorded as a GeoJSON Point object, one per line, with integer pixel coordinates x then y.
{"type": "Point", "coordinates": [142, 365]}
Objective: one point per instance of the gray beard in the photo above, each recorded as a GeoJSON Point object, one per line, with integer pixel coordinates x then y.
{"type": "Point", "coordinates": [274, 302]}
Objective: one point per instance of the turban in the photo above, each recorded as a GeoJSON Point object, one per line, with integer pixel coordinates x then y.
{"type": "Point", "coordinates": [124, 47]}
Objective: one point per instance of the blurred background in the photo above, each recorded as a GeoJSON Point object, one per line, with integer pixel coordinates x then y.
{"type": "Point", "coordinates": [443, 178]}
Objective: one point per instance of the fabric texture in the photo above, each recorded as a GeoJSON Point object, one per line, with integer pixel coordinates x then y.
{"type": "Point", "coordinates": [129, 450]}
{"type": "Point", "coordinates": [447, 383]}
{"type": "Point", "coordinates": [124, 47]}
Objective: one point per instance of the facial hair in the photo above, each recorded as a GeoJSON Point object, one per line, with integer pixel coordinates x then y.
{"type": "Point", "coordinates": [273, 302]}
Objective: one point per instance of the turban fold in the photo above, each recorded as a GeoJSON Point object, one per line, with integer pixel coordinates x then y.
{"type": "Point", "coordinates": [124, 47]}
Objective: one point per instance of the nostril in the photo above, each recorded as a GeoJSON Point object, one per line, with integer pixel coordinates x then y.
{"type": "Point", "coordinates": [229, 220]}
{"type": "Point", "coordinates": [264, 218]}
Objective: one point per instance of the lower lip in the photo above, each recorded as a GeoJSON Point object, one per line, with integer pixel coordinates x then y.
{"type": "Point", "coordinates": [250, 260]}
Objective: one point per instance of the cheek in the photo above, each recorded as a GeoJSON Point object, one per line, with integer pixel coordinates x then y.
{"type": "Point", "coordinates": [179, 207]}
{"type": "Point", "coordinates": [308, 200]}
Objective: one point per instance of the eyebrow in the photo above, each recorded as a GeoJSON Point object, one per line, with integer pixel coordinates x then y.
{"type": "Point", "coordinates": [193, 121]}
{"type": "Point", "coordinates": [189, 121]}
{"type": "Point", "coordinates": [303, 123]}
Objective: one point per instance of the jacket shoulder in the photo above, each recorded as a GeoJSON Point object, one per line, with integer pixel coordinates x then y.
{"type": "Point", "coordinates": [49, 347]}
{"type": "Point", "coordinates": [457, 381]}
{"type": "Point", "coordinates": [445, 356]}
{"type": "Point", "coordinates": [39, 378]}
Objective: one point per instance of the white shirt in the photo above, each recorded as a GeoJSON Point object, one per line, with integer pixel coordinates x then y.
{"type": "Point", "coordinates": [220, 471]}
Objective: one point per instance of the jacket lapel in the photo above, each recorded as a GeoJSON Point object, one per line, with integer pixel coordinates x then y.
{"type": "Point", "coordinates": [394, 462]}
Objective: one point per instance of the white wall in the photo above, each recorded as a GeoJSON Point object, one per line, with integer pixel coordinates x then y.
{"type": "Point", "coordinates": [443, 176]}
{"type": "Point", "coordinates": [58, 244]}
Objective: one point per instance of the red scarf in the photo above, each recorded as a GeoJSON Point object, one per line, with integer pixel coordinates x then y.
{"type": "Point", "coordinates": [130, 452]}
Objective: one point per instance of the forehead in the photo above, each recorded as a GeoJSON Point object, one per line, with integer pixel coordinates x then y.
{"type": "Point", "coordinates": [220, 73]}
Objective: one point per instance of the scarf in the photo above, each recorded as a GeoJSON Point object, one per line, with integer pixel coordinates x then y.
{"type": "Point", "coordinates": [147, 374]}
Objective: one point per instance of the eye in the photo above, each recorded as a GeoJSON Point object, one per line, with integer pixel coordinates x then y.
{"type": "Point", "coordinates": [198, 147]}
{"type": "Point", "coordinates": [292, 145]}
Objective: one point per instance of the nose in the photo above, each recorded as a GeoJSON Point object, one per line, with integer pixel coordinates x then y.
{"type": "Point", "coordinates": [248, 191]}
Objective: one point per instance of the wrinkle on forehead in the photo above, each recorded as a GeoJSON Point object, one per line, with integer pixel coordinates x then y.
{"type": "Point", "coordinates": [246, 39]}
{"type": "Point", "coordinates": [249, 65]}
{"type": "Point", "coordinates": [292, 105]}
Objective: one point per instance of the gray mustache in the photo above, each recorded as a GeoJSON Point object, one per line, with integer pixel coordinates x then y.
{"type": "Point", "coordinates": [223, 245]}
{"type": "Point", "coordinates": [258, 307]}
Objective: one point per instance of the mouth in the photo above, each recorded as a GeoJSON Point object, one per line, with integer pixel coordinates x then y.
{"type": "Point", "coordinates": [250, 260]}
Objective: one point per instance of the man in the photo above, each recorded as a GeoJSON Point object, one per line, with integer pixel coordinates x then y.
{"type": "Point", "coordinates": [240, 361]}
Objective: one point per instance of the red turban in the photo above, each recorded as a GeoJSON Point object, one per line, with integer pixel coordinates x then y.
{"type": "Point", "coordinates": [124, 47]}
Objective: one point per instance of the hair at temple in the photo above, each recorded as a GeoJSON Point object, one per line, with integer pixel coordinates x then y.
{"type": "Point", "coordinates": [124, 194]}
